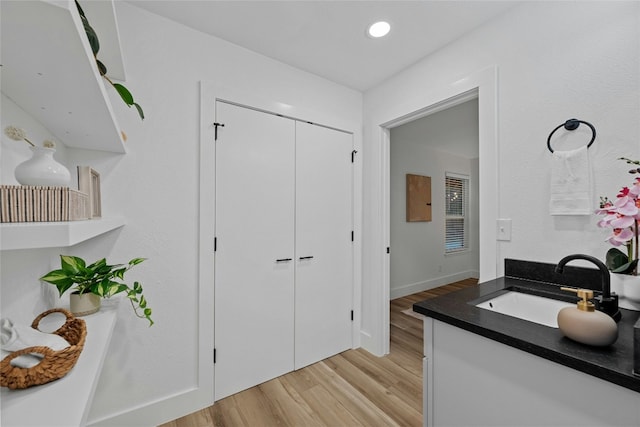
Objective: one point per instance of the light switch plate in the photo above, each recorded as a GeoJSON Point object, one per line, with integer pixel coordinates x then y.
{"type": "Point", "coordinates": [504, 229]}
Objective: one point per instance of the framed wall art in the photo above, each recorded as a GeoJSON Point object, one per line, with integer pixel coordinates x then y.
{"type": "Point", "coordinates": [89, 182]}
{"type": "Point", "coordinates": [418, 198]}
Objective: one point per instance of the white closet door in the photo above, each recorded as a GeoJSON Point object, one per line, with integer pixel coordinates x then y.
{"type": "Point", "coordinates": [323, 290]}
{"type": "Point", "coordinates": [254, 302]}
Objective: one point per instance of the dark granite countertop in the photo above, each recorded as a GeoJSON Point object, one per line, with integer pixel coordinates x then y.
{"type": "Point", "coordinates": [613, 363]}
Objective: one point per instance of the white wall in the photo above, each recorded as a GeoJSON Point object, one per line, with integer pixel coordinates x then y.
{"type": "Point", "coordinates": [156, 186]}
{"type": "Point", "coordinates": [417, 258]}
{"type": "Point", "coordinates": [556, 60]}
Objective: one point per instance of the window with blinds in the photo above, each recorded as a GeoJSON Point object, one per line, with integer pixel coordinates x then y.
{"type": "Point", "coordinates": [456, 205]}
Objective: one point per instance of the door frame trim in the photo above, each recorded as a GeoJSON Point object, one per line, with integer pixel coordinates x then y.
{"type": "Point", "coordinates": [422, 101]}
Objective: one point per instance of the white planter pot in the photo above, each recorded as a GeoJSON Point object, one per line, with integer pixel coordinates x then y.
{"type": "Point", "coordinates": [42, 169]}
{"type": "Point", "coordinates": [628, 289]}
{"type": "Point", "coordinates": [84, 304]}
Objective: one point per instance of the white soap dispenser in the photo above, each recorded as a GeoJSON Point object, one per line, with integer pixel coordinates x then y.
{"type": "Point", "coordinates": [585, 324]}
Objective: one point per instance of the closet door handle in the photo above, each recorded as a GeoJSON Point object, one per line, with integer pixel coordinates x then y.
{"type": "Point", "coordinates": [284, 260]}
{"type": "Point", "coordinates": [305, 257]}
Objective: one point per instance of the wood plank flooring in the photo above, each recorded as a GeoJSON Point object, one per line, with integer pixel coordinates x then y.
{"type": "Point", "coordinates": [353, 388]}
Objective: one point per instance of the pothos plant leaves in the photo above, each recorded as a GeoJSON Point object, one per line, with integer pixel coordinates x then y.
{"type": "Point", "coordinates": [95, 47]}
{"type": "Point", "coordinates": [124, 93]}
{"type": "Point", "coordinates": [139, 108]}
{"type": "Point", "coordinates": [128, 98]}
{"type": "Point", "coordinates": [91, 34]}
{"type": "Point", "coordinates": [101, 67]}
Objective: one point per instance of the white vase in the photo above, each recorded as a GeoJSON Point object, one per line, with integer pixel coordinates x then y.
{"type": "Point", "coordinates": [42, 169]}
{"type": "Point", "coordinates": [628, 289]}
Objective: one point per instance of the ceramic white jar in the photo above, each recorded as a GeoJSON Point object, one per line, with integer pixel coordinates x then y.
{"type": "Point", "coordinates": [42, 169]}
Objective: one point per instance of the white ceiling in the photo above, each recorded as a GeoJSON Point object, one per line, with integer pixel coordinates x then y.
{"type": "Point", "coordinates": [327, 38]}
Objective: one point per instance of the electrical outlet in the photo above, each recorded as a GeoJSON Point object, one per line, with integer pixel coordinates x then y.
{"type": "Point", "coordinates": [504, 229]}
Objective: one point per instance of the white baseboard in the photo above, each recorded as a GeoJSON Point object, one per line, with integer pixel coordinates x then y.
{"type": "Point", "coordinates": [159, 412]}
{"type": "Point", "coordinates": [368, 343]}
{"type": "Point", "coordinates": [412, 288]}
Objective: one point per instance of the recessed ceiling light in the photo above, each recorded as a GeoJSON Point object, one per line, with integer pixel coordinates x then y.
{"type": "Point", "coordinates": [379, 29]}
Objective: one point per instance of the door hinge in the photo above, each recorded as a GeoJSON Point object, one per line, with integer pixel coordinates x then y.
{"type": "Point", "coordinates": [352, 235]}
{"type": "Point", "coordinates": [215, 125]}
{"type": "Point", "coordinates": [353, 155]}
{"type": "Point", "coordinates": [352, 315]}
{"type": "Point", "coordinates": [388, 249]}
{"type": "Point", "coordinates": [215, 244]}
{"type": "Point", "coordinates": [214, 355]}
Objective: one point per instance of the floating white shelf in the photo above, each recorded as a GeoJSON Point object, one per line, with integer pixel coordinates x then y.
{"type": "Point", "coordinates": [64, 402]}
{"type": "Point", "coordinates": [48, 69]}
{"type": "Point", "coordinates": [34, 235]}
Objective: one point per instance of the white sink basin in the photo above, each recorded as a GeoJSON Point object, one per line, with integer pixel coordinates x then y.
{"type": "Point", "coordinates": [527, 307]}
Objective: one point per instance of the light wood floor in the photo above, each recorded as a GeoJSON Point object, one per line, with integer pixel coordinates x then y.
{"type": "Point", "coordinates": [353, 388]}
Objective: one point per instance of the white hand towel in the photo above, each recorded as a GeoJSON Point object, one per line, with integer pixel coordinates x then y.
{"type": "Point", "coordinates": [17, 337]}
{"type": "Point", "coordinates": [24, 360]}
{"type": "Point", "coordinates": [571, 183]}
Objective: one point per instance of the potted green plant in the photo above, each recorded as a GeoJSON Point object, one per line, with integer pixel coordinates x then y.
{"type": "Point", "coordinates": [95, 281]}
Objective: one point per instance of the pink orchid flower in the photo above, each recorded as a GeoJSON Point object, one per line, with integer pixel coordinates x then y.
{"type": "Point", "coordinates": [626, 205]}
{"type": "Point", "coordinates": [635, 188]}
{"type": "Point", "coordinates": [620, 236]}
{"type": "Point", "coordinates": [622, 221]}
{"type": "Point", "coordinates": [622, 217]}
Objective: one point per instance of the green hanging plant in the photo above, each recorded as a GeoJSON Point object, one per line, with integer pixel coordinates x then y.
{"type": "Point", "coordinates": [100, 279]}
{"type": "Point", "coordinates": [95, 47]}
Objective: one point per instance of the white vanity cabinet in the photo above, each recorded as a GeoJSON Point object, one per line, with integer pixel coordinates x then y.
{"type": "Point", "coordinates": [472, 380]}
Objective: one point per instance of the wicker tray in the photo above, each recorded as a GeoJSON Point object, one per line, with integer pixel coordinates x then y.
{"type": "Point", "coordinates": [54, 364]}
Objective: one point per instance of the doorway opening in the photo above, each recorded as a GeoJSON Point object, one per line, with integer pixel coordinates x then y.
{"type": "Point", "coordinates": [441, 247]}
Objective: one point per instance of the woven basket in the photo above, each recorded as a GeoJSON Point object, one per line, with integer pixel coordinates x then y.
{"type": "Point", "coordinates": [54, 364]}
